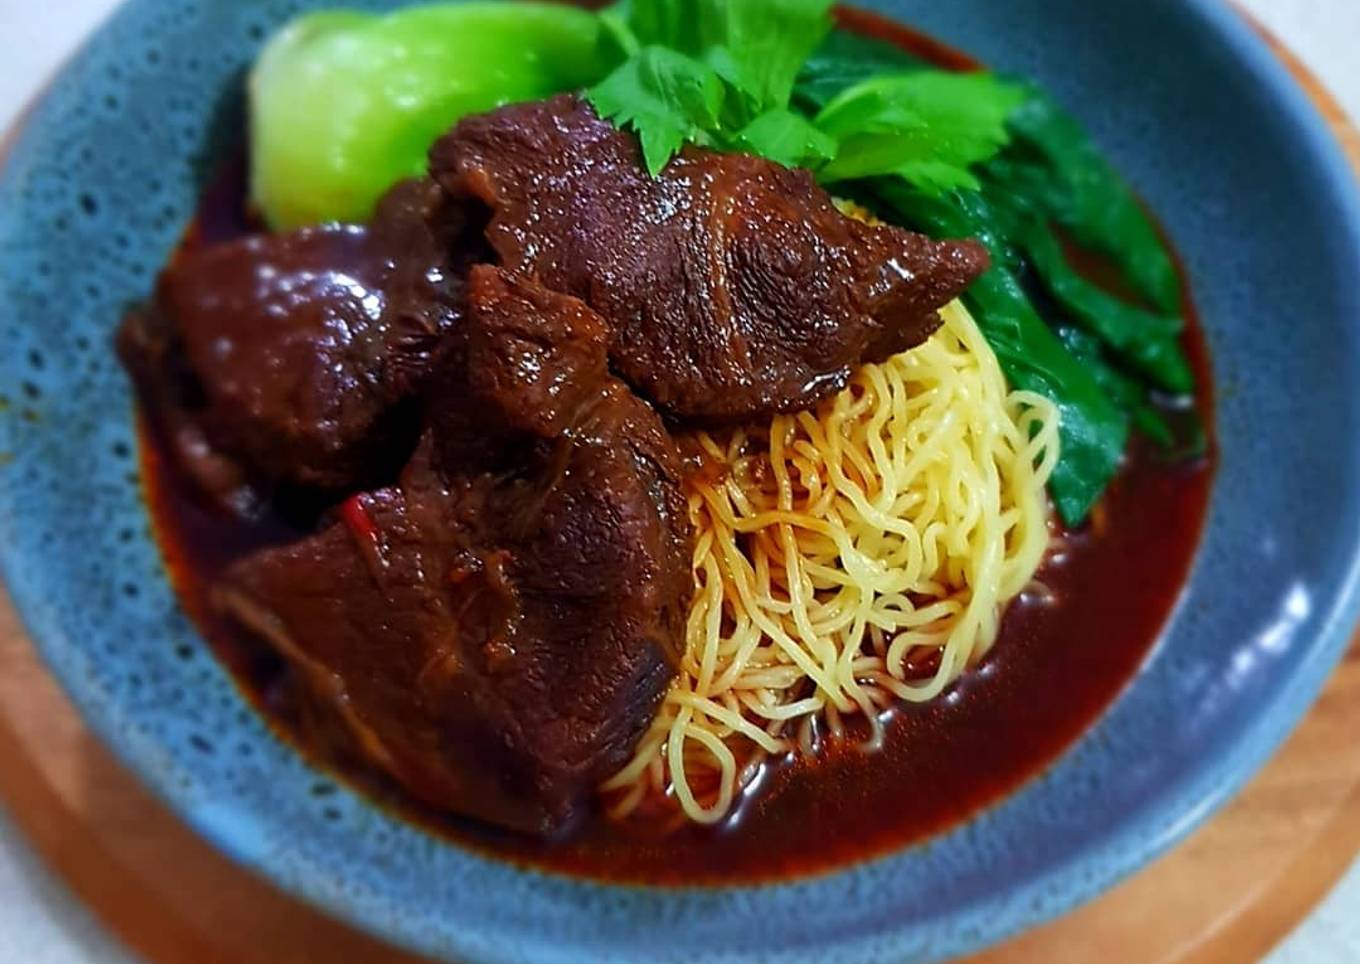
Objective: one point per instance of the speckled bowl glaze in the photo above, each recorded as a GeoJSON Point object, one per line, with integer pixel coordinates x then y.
{"type": "Point", "coordinates": [1190, 105]}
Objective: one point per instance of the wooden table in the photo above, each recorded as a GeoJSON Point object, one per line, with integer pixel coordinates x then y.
{"type": "Point", "coordinates": [1228, 894]}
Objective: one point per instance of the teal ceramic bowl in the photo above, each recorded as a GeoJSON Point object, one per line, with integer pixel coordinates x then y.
{"type": "Point", "coordinates": [1190, 105]}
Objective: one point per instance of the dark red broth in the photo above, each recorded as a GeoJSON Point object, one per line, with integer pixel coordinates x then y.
{"type": "Point", "coordinates": [1056, 667]}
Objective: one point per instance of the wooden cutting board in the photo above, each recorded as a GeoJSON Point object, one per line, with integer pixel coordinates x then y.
{"type": "Point", "coordinates": [1228, 894]}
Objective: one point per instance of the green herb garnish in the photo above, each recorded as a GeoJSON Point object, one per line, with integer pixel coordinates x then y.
{"type": "Point", "coordinates": [929, 127]}
{"type": "Point", "coordinates": [667, 97]}
{"type": "Point", "coordinates": [739, 59]}
{"type": "Point", "coordinates": [788, 138]}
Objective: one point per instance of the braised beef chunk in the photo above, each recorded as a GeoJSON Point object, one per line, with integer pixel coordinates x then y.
{"type": "Point", "coordinates": [732, 285]}
{"type": "Point", "coordinates": [149, 346]}
{"type": "Point", "coordinates": [500, 627]}
{"type": "Point", "coordinates": [291, 354]}
{"type": "Point", "coordinates": [536, 356]}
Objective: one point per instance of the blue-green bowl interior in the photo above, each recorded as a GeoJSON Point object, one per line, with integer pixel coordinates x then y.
{"type": "Point", "coordinates": [1189, 104]}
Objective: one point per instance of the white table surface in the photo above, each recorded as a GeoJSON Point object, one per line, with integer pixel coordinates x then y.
{"type": "Point", "coordinates": [40, 923]}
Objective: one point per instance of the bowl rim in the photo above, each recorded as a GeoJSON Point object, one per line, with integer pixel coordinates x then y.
{"type": "Point", "coordinates": [992, 918]}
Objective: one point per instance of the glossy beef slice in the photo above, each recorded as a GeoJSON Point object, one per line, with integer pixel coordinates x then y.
{"type": "Point", "coordinates": [286, 359]}
{"type": "Point", "coordinates": [733, 287]}
{"type": "Point", "coordinates": [499, 628]}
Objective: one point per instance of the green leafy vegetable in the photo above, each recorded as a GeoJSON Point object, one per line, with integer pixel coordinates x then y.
{"type": "Point", "coordinates": [1056, 167]}
{"type": "Point", "coordinates": [787, 138]}
{"type": "Point", "coordinates": [345, 104]}
{"type": "Point", "coordinates": [927, 127]}
{"type": "Point", "coordinates": [764, 46]}
{"type": "Point", "coordinates": [1147, 342]}
{"type": "Point", "coordinates": [666, 96]}
{"type": "Point", "coordinates": [688, 55]}
{"type": "Point", "coordinates": [844, 60]}
{"type": "Point", "coordinates": [757, 46]}
{"type": "Point", "coordinates": [1126, 392]}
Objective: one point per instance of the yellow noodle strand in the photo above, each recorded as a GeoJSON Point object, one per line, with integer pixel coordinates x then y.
{"type": "Point", "coordinates": [851, 556]}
